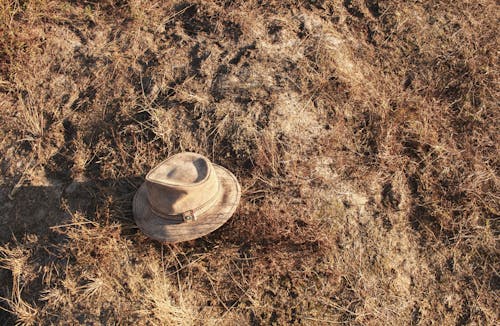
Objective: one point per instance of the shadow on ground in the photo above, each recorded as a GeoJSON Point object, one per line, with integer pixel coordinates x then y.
{"type": "Point", "coordinates": [33, 210]}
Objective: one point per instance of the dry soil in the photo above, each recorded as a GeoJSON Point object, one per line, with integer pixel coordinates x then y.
{"type": "Point", "coordinates": [364, 135]}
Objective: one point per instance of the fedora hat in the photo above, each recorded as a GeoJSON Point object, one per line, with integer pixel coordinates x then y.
{"type": "Point", "coordinates": [185, 197]}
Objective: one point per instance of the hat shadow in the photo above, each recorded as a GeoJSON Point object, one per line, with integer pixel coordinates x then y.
{"type": "Point", "coordinates": [34, 209]}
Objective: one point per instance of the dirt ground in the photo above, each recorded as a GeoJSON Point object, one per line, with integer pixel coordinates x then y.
{"type": "Point", "coordinates": [364, 134]}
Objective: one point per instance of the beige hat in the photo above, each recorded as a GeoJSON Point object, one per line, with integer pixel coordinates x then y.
{"type": "Point", "coordinates": [185, 197]}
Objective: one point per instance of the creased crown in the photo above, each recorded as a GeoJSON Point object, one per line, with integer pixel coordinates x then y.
{"type": "Point", "coordinates": [183, 182]}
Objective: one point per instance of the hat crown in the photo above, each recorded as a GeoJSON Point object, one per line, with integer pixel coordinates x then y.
{"type": "Point", "coordinates": [181, 170]}
{"type": "Point", "coordinates": [183, 182]}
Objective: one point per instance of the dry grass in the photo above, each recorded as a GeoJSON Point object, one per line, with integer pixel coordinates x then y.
{"type": "Point", "coordinates": [363, 133]}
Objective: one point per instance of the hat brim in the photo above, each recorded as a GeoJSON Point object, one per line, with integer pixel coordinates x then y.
{"type": "Point", "coordinates": [170, 231]}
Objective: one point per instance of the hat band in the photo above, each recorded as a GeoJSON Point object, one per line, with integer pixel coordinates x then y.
{"type": "Point", "coordinates": [191, 214]}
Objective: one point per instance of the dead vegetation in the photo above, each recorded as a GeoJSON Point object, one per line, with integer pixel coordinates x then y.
{"type": "Point", "coordinates": [363, 133]}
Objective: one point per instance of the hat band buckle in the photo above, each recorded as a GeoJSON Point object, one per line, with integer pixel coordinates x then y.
{"type": "Point", "coordinates": [191, 214]}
